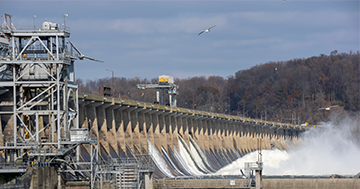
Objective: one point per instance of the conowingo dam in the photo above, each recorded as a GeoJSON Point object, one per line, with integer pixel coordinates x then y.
{"type": "Point", "coordinates": [53, 137]}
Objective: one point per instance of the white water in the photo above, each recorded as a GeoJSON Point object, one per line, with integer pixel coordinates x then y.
{"type": "Point", "coordinates": [187, 157]}
{"type": "Point", "coordinates": [158, 160]}
{"type": "Point", "coordinates": [170, 162]}
{"type": "Point", "coordinates": [182, 161]}
{"type": "Point", "coordinates": [331, 150]}
{"type": "Point", "coordinates": [198, 156]}
{"type": "Point", "coordinates": [271, 159]}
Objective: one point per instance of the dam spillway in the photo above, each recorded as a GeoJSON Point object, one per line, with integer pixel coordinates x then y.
{"type": "Point", "coordinates": [124, 128]}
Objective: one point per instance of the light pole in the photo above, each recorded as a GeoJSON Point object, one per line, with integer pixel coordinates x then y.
{"type": "Point", "coordinates": [263, 113]}
{"type": "Point", "coordinates": [293, 119]}
{"type": "Point", "coordinates": [112, 79]}
{"type": "Point", "coordinates": [65, 15]}
{"type": "Point", "coordinates": [34, 21]}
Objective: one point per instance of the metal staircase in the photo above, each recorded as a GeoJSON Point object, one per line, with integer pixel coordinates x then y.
{"type": "Point", "coordinates": [130, 175]}
{"type": "Point", "coordinates": [125, 173]}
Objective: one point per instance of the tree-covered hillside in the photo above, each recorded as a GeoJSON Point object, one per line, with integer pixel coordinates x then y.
{"type": "Point", "coordinates": [298, 87]}
{"type": "Point", "coordinates": [287, 91]}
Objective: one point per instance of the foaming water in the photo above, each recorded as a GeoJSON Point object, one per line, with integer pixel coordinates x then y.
{"type": "Point", "coordinates": [198, 155]}
{"type": "Point", "coordinates": [332, 149]}
{"type": "Point", "coordinates": [158, 160]}
{"type": "Point", "coordinates": [186, 156]}
{"type": "Point", "coordinates": [271, 160]}
{"type": "Point", "coordinates": [328, 150]}
{"type": "Point", "coordinates": [170, 162]}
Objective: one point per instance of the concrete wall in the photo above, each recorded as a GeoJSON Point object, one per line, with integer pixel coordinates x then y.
{"type": "Point", "coordinates": [319, 183]}
{"type": "Point", "coordinates": [286, 183]}
{"type": "Point", "coordinates": [44, 178]}
{"type": "Point", "coordinates": [201, 183]}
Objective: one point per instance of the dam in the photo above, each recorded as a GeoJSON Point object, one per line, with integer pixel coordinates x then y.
{"type": "Point", "coordinates": [124, 128]}
{"type": "Point", "coordinates": [52, 136]}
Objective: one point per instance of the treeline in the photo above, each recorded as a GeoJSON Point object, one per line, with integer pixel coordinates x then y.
{"type": "Point", "coordinates": [286, 91]}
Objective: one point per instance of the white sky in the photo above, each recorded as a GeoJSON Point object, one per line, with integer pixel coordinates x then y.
{"type": "Point", "coordinates": [150, 38]}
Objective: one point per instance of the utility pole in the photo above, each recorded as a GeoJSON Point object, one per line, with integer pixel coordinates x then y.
{"type": "Point", "coordinates": [112, 81]}
{"type": "Point", "coordinates": [34, 21]}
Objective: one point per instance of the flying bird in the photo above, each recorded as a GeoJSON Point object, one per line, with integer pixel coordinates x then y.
{"type": "Point", "coordinates": [328, 108]}
{"type": "Point", "coordinates": [207, 30]}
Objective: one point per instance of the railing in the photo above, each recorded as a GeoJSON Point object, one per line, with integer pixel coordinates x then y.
{"type": "Point", "coordinates": [249, 166]}
{"type": "Point", "coordinates": [21, 182]}
{"type": "Point", "coordinates": [13, 165]}
{"type": "Point", "coordinates": [107, 171]}
{"type": "Point", "coordinates": [14, 186]}
{"type": "Point", "coordinates": [215, 183]}
{"type": "Point", "coordinates": [45, 58]}
{"type": "Point", "coordinates": [143, 162]}
{"type": "Point", "coordinates": [253, 165]}
{"type": "Point", "coordinates": [34, 28]}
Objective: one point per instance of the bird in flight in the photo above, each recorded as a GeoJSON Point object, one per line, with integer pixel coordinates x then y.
{"type": "Point", "coordinates": [207, 30]}
{"type": "Point", "coordinates": [328, 108]}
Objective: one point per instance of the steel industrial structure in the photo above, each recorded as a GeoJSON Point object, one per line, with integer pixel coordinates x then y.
{"type": "Point", "coordinates": [165, 83]}
{"type": "Point", "coordinates": [39, 112]}
{"type": "Point", "coordinates": [39, 98]}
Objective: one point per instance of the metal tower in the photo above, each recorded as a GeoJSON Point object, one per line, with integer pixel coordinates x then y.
{"type": "Point", "coordinates": [38, 94]}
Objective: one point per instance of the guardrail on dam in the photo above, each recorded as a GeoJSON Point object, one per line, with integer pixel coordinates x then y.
{"type": "Point", "coordinates": [124, 128]}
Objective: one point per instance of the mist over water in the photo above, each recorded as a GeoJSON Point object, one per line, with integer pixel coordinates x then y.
{"type": "Point", "coordinates": [271, 159]}
{"type": "Point", "coordinates": [332, 149]}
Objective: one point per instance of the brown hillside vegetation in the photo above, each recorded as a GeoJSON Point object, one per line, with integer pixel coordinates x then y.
{"type": "Point", "coordinates": [285, 91]}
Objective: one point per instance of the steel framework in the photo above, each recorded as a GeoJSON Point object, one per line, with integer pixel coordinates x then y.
{"type": "Point", "coordinates": [160, 91]}
{"type": "Point", "coordinates": [39, 96]}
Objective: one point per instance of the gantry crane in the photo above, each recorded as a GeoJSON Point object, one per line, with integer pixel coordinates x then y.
{"type": "Point", "coordinates": [165, 83]}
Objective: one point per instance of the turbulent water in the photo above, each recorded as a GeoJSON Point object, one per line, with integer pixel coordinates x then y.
{"type": "Point", "coordinates": [333, 149]}
{"type": "Point", "coordinates": [188, 157]}
{"type": "Point", "coordinates": [159, 161]}
{"type": "Point", "coordinates": [271, 160]}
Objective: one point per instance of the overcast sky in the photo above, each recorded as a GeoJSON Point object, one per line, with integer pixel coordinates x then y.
{"type": "Point", "coordinates": [150, 38]}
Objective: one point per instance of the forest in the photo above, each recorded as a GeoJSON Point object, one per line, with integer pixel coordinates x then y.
{"type": "Point", "coordinates": [294, 91]}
